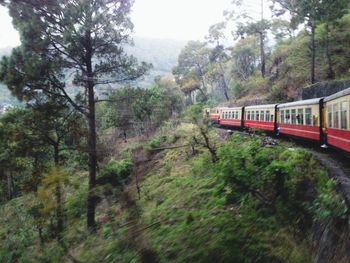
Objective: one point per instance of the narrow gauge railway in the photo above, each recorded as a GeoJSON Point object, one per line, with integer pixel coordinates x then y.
{"type": "Point", "coordinates": [325, 121]}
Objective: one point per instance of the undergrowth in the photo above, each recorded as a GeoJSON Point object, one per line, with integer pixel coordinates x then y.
{"type": "Point", "coordinates": [256, 203]}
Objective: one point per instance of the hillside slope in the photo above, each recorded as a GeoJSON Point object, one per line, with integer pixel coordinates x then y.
{"type": "Point", "coordinates": [258, 203]}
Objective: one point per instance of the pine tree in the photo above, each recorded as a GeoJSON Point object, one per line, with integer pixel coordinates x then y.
{"type": "Point", "coordinates": [79, 38]}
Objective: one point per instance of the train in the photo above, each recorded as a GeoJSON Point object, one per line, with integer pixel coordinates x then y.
{"type": "Point", "coordinates": [324, 120]}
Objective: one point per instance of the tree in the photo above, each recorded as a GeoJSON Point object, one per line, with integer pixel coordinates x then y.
{"type": "Point", "coordinates": [218, 58]}
{"type": "Point", "coordinates": [22, 154]}
{"type": "Point", "coordinates": [83, 39]}
{"type": "Point", "coordinates": [247, 25]}
{"type": "Point", "coordinates": [140, 110]}
{"type": "Point", "coordinates": [190, 70]}
{"type": "Point", "coordinates": [203, 135]}
{"type": "Point", "coordinates": [257, 28]}
{"type": "Point", "coordinates": [55, 123]}
{"type": "Point", "coordinates": [245, 55]}
{"type": "Point", "coordinates": [282, 29]}
{"type": "Point", "coordinates": [331, 11]}
{"type": "Point", "coordinates": [312, 12]}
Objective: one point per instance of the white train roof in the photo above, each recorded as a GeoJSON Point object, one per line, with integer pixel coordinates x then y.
{"type": "Point", "coordinates": [339, 94]}
{"type": "Point", "coordinates": [260, 106]}
{"type": "Point", "coordinates": [299, 103]}
{"type": "Point", "coordinates": [232, 108]}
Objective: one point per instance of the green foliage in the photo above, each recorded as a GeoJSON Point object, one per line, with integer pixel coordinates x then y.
{"type": "Point", "coordinates": [329, 203]}
{"type": "Point", "coordinates": [200, 203]}
{"type": "Point", "coordinates": [18, 233]}
{"type": "Point", "coordinates": [75, 204]}
{"type": "Point", "coordinates": [116, 173]}
{"type": "Point", "coordinates": [141, 110]}
{"type": "Point", "coordinates": [152, 144]}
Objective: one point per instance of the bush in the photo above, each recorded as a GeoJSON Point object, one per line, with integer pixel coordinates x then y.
{"type": "Point", "coordinates": [116, 173]}
{"type": "Point", "coordinates": [328, 203]}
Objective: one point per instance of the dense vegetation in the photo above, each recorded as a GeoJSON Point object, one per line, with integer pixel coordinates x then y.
{"type": "Point", "coordinates": [256, 203]}
{"type": "Point", "coordinates": [271, 60]}
{"type": "Point", "coordinates": [90, 173]}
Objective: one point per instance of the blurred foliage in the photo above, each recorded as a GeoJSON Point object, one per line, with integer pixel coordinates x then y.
{"type": "Point", "coordinates": [136, 111]}
{"type": "Point", "coordinates": [116, 173]}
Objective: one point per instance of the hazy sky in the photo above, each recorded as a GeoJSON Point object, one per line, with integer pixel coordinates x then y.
{"type": "Point", "coordinates": [172, 19]}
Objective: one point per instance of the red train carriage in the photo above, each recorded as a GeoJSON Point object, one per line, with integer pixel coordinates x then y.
{"type": "Point", "coordinates": [337, 124]}
{"type": "Point", "coordinates": [231, 116]}
{"type": "Point", "coordinates": [213, 114]}
{"type": "Point", "coordinates": [301, 118]}
{"type": "Point", "coordinates": [260, 117]}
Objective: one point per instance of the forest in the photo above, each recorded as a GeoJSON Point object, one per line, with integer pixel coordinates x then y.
{"type": "Point", "coordinates": [105, 155]}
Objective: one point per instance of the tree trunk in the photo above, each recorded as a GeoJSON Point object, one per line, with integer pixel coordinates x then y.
{"type": "Point", "coordinates": [212, 150]}
{"type": "Point", "coordinates": [313, 53]}
{"type": "Point", "coordinates": [330, 71]}
{"type": "Point", "coordinates": [58, 190]}
{"type": "Point", "coordinates": [262, 54]}
{"type": "Point", "coordinates": [91, 199]}
{"type": "Point", "coordinates": [225, 86]}
{"type": "Point", "coordinates": [92, 160]}
{"type": "Point", "coordinates": [56, 153]}
{"type": "Point", "coordinates": [10, 186]}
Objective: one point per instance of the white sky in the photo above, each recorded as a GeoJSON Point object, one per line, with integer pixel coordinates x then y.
{"type": "Point", "coordinates": [8, 35]}
{"type": "Point", "coordinates": [171, 19]}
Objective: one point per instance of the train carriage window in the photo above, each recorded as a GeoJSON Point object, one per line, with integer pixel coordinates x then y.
{"type": "Point", "coordinates": [282, 116]}
{"type": "Point", "coordinates": [262, 115]}
{"type": "Point", "coordinates": [343, 115]}
{"type": "Point", "coordinates": [257, 115]}
{"type": "Point", "coordinates": [248, 115]}
{"type": "Point", "coordinates": [336, 115]}
{"type": "Point", "coordinates": [294, 116]}
{"type": "Point", "coordinates": [272, 117]}
{"type": "Point", "coordinates": [300, 116]}
{"type": "Point", "coordinates": [287, 116]}
{"type": "Point", "coordinates": [267, 118]}
{"type": "Point", "coordinates": [237, 115]}
{"type": "Point", "coordinates": [252, 117]}
{"type": "Point", "coordinates": [329, 117]}
{"type": "Point", "coordinates": [308, 119]}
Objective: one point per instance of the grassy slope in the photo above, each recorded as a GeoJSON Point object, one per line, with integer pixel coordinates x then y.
{"type": "Point", "coordinates": [199, 225]}
{"type": "Point", "coordinates": [189, 210]}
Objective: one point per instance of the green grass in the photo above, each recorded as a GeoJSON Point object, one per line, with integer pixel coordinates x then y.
{"type": "Point", "coordinates": [205, 217]}
{"type": "Point", "coordinates": [191, 210]}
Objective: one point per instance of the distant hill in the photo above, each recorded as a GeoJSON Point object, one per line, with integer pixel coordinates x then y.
{"type": "Point", "coordinates": [5, 94]}
{"type": "Point", "coordinates": [5, 51]}
{"type": "Point", "coordinates": [162, 53]}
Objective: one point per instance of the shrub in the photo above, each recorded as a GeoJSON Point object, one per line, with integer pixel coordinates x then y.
{"type": "Point", "coordinates": [328, 203]}
{"type": "Point", "coordinates": [117, 173]}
